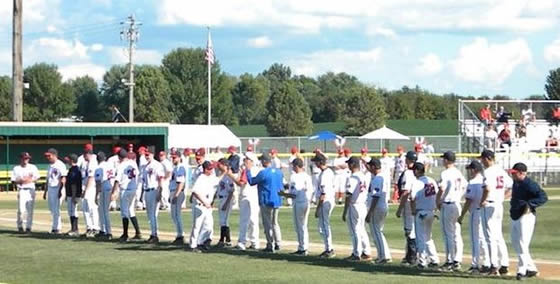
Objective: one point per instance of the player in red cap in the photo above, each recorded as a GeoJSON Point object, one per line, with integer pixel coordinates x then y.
{"type": "Point", "coordinates": [364, 159]}
{"type": "Point", "coordinates": [341, 174]}
{"type": "Point", "coordinates": [276, 163]}
{"type": "Point", "coordinates": [200, 158]}
{"type": "Point", "coordinates": [142, 162]}
{"type": "Point", "coordinates": [24, 177]}
{"type": "Point", "coordinates": [114, 161]}
{"type": "Point", "coordinates": [387, 163]}
{"type": "Point", "coordinates": [168, 171]}
{"type": "Point", "coordinates": [399, 168]}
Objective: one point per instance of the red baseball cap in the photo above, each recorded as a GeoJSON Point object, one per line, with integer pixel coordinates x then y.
{"type": "Point", "coordinates": [200, 152]}
{"type": "Point", "coordinates": [294, 149]}
{"type": "Point", "coordinates": [364, 150]}
{"type": "Point", "coordinates": [116, 149]}
{"type": "Point", "coordinates": [400, 148]}
{"type": "Point", "coordinates": [88, 147]}
{"type": "Point", "coordinates": [418, 147]}
{"type": "Point", "coordinates": [384, 151]}
{"type": "Point", "coordinates": [187, 151]}
{"type": "Point", "coordinates": [250, 148]}
{"type": "Point", "coordinates": [142, 149]}
{"type": "Point", "coordinates": [347, 151]}
{"type": "Point", "coordinates": [231, 149]}
{"type": "Point", "coordinates": [273, 151]}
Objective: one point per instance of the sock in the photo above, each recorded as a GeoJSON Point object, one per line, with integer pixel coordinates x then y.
{"type": "Point", "coordinates": [125, 226]}
{"type": "Point", "coordinates": [75, 224]}
{"type": "Point", "coordinates": [135, 224]}
{"type": "Point", "coordinates": [71, 223]}
{"type": "Point", "coordinates": [228, 236]}
{"type": "Point", "coordinates": [222, 234]}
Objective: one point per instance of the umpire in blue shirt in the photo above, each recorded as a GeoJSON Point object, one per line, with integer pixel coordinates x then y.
{"type": "Point", "coordinates": [526, 196]}
{"type": "Point", "coordinates": [269, 183]}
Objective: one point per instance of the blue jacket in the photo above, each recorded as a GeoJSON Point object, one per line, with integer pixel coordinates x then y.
{"type": "Point", "coordinates": [269, 183]}
{"type": "Point", "coordinates": [525, 193]}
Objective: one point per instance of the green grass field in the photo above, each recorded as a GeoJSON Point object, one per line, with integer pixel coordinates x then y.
{"type": "Point", "coordinates": [39, 258]}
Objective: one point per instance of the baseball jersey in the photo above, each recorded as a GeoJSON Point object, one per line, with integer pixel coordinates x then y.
{"type": "Point", "coordinates": [407, 181]}
{"type": "Point", "coordinates": [422, 158]}
{"type": "Point", "coordinates": [114, 160]}
{"type": "Point", "coordinates": [127, 175]}
{"type": "Point", "coordinates": [178, 176]}
{"type": "Point", "coordinates": [452, 184]}
{"type": "Point", "coordinates": [363, 162]}
{"type": "Point", "coordinates": [387, 165]}
{"type": "Point", "coordinates": [197, 171]}
{"type": "Point", "coordinates": [424, 191]}
{"type": "Point", "coordinates": [249, 191]}
{"type": "Point", "coordinates": [20, 172]}
{"type": "Point", "coordinates": [56, 171]}
{"type": "Point", "coordinates": [82, 160]}
{"type": "Point", "coordinates": [474, 192]}
{"type": "Point", "coordinates": [380, 187]}
{"type": "Point", "coordinates": [496, 180]}
{"type": "Point", "coordinates": [88, 170]}
{"type": "Point", "coordinates": [167, 167]}
{"type": "Point", "coordinates": [205, 187]}
{"type": "Point", "coordinates": [400, 165]}
{"type": "Point", "coordinates": [326, 184]}
{"type": "Point", "coordinates": [152, 173]}
{"type": "Point", "coordinates": [302, 187]}
{"type": "Point", "coordinates": [226, 187]}
{"type": "Point", "coordinates": [339, 162]}
{"type": "Point", "coordinates": [105, 174]}
{"type": "Point", "coordinates": [356, 186]}
{"type": "Point", "coordinates": [276, 163]}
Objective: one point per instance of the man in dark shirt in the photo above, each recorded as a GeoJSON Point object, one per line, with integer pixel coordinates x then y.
{"type": "Point", "coordinates": [526, 196]}
{"type": "Point", "coordinates": [73, 192]}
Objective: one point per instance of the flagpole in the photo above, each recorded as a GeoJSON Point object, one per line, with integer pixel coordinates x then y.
{"type": "Point", "coordinates": [209, 86]}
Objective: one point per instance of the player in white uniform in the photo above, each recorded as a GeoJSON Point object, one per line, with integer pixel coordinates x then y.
{"type": "Point", "coordinates": [248, 208]}
{"type": "Point", "coordinates": [379, 189]}
{"type": "Point", "coordinates": [24, 176]}
{"type": "Point", "coordinates": [276, 162]}
{"type": "Point", "coordinates": [341, 174]}
{"type": "Point", "coordinates": [399, 166]}
{"type": "Point", "coordinates": [89, 204]}
{"type": "Point", "coordinates": [300, 190]}
{"type": "Point", "coordinates": [325, 203]}
{"type": "Point", "coordinates": [177, 196]}
{"type": "Point", "coordinates": [152, 182]}
{"type": "Point", "coordinates": [423, 203]}
{"type": "Point", "coordinates": [200, 158]}
{"type": "Point", "coordinates": [405, 183]}
{"type": "Point", "coordinates": [168, 171]}
{"type": "Point", "coordinates": [203, 193]}
{"type": "Point", "coordinates": [356, 209]}
{"type": "Point", "coordinates": [496, 182]}
{"type": "Point", "coordinates": [452, 185]}
{"type": "Point", "coordinates": [364, 160]}
{"type": "Point", "coordinates": [114, 159]}
{"type": "Point", "coordinates": [225, 194]}
{"type": "Point", "coordinates": [104, 179]}
{"type": "Point", "coordinates": [140, 204]}
{"type": "Point", "coordinates": [55, 193]}
{"type": "Point", "coordinates": [315, 172]}
{"type": "Point", "coordinates": [387, 164]}
{"type": "Point", "coordinates": [126, 181]}
{"type": "Point", "coordinates": [480, 260]}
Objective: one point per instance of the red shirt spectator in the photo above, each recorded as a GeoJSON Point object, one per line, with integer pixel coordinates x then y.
{"type": "Point", "coordinates": [486, 114]}
{"type": "Point", "coordinates": [556, 113]}
{"type": "Point", "coordinates": [505, 137]}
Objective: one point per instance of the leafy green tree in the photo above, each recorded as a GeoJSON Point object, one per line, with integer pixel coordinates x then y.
{"type": "Point", "coordinates": [365, 111]}
{"type": "Point", "coordinates": [288, 112]}
{"type": "Point", "coordinates": [5, 98]}
{"type": "Point", "coordinates": [334, 91]}
{"type": "Point", "coordinates": [114, 92]}
{"type": "Point", "coordinates": [277, 74]}
{"type": "Point", "coordinates": [151, 95]}
{"type": "Point", "coordinates": [249, 98]}
{"type": "Point", "coordinates": [310, 91]}
{"type": "Point", "coordinates": [552, 85]}
{"type": "Point", "coordinates": [88, 99]}
{"type": "Point", "coordinates": [47, 98]}
{"type": "Point", "coordinates": [222, 101]}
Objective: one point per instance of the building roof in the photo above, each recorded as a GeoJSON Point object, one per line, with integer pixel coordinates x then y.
{"type": "Point", "coordinates": [81, 129]}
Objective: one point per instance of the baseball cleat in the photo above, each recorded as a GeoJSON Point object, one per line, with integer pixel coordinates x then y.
{"type": "Point", "coordinates": [137, 237]}
{"type": "Point", "coordinates": [366, 257]}
{"type": "Point", "coordinates": [276, 247]}
{"type": "Point", "coordinates": [520, 277]}
{"type": "Point", "coordinates": [493, 272]}
{"type": "Point", "coordinates": [382, 261]}
{"type": "Point", "coordinates": [179, 241]}
{"type": "Point", "coordinates": [108, 237]}
{"type": "Point", "coordinates": [503, 270]}
{"type": "Point", "coordinates": [240, 247]}
{"type": "Point", "coordinates": [268, 250]}
{"type": "Point", "coordinates": [433, 265]}
{"type": "Point", "coordinates": [531, 274]}
{"type": "Point", "coordinates": [473, 271]}
{"type": "Point", "coordinates": [330, 254]}
{"type": "Point", "coordinates": [353, 258]}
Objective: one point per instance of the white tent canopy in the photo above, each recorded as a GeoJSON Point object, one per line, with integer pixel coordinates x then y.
{"type": "Point", "coordinates": [197, 136]}
{"type": "Point", "coordinates": [384, 133]}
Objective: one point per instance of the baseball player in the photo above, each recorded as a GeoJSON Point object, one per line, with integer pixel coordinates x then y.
{"type": "Point", "coordinates": [315, 172]}
{"type": "Point", "coordinates": [276, 163]}
{"type": "Point", "coordinates": [423, 203]}
{"type": "Point", "coordinates": [341, 174]}
{"type": "Point", "coordinates": [300, 190]}
{"type": "Point", "coordinates": [142, 162]}
{"type": "Point", "coordinates": [325, 203]}
{"type": "Point", "coordinates": [526, 196]}
{"type": "Point", "coordinates": [126, 183]}
{"type": "Point", "coordinates": [387, 163]}
{"type": "Point", "coordinates": [225, 195]}
{"type": "Point", "coordinates": [186, 162]}
{"type": "Point", "coordinates": [250, 153]}
{"type": "Point", "coordinates": [168, 171]}
{"type": "Point", "coordinates": [82, 158]}
{"type": "Point", "coordinates": [364, 160]}
{"type": "Point", "coordinates": [200, 158]}
{"type": "Point", "coordinates": [114, 159]}
{"type": "Point", "coordinates": [356, 209]}
{"type": "Point", "coordinates": [248, 207]}
{"type": "Point", "coordinates": [480, 260]}
{"type": "Point", "coordinates": [56, 178]}
{"type": "Point", "coordinates": [235, 161]}
{"type": "Point", "coordinates": [73, 192]}
{"type": "Point", "coordinates": [152, 181]}
{"type": "Point", "coordinates": [449, 203]}
{"type": "Point", "coordinates": [23, 177]}
{"type": "Point", "coordinates": [379, 189]}
{"type": "Point", "coordinates": [89, 205]}
{"type": "Point", "coordinates": [104, 180]}
{"type": "Point", "coordinates": [400, 167]}
{"type": "Point", "coordinates": [496, 182]}
{"type": "Point", "coordinates": [203, 193]}
{"type": "Point", "coordinates": [404, 184]}
{"type": "Point", "coordinates": [177, 195]}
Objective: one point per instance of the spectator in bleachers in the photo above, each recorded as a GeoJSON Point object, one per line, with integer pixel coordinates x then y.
{"type": "Point", "coordinates": [486, 115]}
{"type": "Point", "coordinates": [505, 136]}
{"type": "Point", "coordinates": [556, 115]}
{"type": "Point", "coordinates": [503, 116]}
{"type": "Point", "coordinates": [551, 142]}
{"type": "Point", "coordinates": [528, 115]}
{"type": "Point", "coordinates": [520, 130]}
{"type": "Point", "coordinates": [491, 135]}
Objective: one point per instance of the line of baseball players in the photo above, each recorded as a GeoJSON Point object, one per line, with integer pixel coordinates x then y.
{"type": "Point", "coordinates": [95, 181]}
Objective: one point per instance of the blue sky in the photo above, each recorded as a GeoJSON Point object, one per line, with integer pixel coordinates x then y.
{"type": "Point", "coordinates": [470, 47]}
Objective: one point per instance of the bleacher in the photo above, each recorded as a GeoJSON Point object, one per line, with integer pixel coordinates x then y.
{"type": "Point", "coordinates": [6, 184]}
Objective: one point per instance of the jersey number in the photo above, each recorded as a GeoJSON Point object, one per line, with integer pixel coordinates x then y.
{"type": "Point", "coordinates": [500, 182]}
{"type": "Point", "coordinates": [110, 174]}
{"type": "Point", "coordinates": [429, 190]}
{"type": "Point", "coordinates": [131, 174]}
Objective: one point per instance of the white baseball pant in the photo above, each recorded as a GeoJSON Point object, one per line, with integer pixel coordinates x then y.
{"type": "Point", "coordinates": [521, 234]}
{"type": "Point", "coordinates": [165, 194]}
{"type": "Point", "coordinates": [408, 221]}
{"type": "Point", "coordinates": [301, 214]}
{"type": "Point", "coordinates": [249, 221]}
{"type": "Point", "coordinates": [127, 200]}
{"type": "Point", "coordinates": [376, 226]}
{"type": "Point", "coordinates": [424, 242]}
{"type": "Point", "coordinates": [176, 215]}
{"type": "Point", "coordinates": [224, 214]}
{"type": "Point", "coordinates": [451, 232]}
{"type": "Point", "coordinates": [54, 203]}
{"type": "Point", "coordinates": [152, 209]}
{"type": "Point", "coordinates": [202, 225]}
{"type": "Point", "coordinates": [355, 220]}
{"type": "Point", "coordinates": [140, 205]}
{"type": "Point", "coordinates": [104, 217]}
{"type": "Point", "coordinates": [325, 223]}
{"type": "Point", "coordinates": [492, 215]}
{"type": "Point", "coordinates": [479, 250]}
{"type": "Point", "coordinates": [90, 211]}
{"type": "Point", "coordinates": [26, 202]}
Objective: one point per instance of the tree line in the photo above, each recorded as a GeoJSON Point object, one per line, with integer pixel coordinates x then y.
{"type": "Point", "coordinates": [176, 92]}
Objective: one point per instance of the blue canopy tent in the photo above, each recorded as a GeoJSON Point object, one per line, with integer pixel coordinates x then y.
{"type": "Point", "coordinates": [325, 136]}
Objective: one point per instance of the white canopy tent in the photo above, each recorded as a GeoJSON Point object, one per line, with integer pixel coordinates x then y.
{"type": "Point", "coordinates": [384, 133]}
{"type": "Point", "coordinates": [201, 136]}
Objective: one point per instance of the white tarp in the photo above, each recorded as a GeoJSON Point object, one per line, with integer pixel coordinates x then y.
{"type": "Point", "coordinates": [384, 133]}
{"type": "Point", "coordinates": [196, 136]}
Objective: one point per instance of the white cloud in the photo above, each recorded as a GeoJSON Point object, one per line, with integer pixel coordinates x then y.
{"type": "Point", "coordinates": [77, 70]}
{"type": "Point", "coordinates": [118, 55]}
{"type": "Point", "coordinates": [379, 31]}
{"type": "Point", "coordinates": [51, 29]}
{"type": "Point", "coordinates": [358, 63]}
{"type": "Point", "coordinates": [55, 49]}
{"type": "Point", "coordinates": [259, 42]}
{"type": "Point", "coordinates": [96, 47]}
{"type": "Point", "coordinates": [35, 13]}
{"type": "Point", "coordinates": [490, 64]}
{"type": "Point", "coordinates": [552, 51]}
{"type": "Point", "coordinates": [429, 65]}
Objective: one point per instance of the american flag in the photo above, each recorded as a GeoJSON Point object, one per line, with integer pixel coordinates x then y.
{"type": "Point", "coordinates": [209, 50]}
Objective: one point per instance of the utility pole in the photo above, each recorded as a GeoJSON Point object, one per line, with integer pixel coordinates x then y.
{"type": "Point", "coordinates": [131, 34]}
{"type": "Point", "coordinates": [17, 65]}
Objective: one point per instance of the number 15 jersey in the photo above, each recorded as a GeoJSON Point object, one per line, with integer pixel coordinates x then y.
{"type": "Point", "coordinates": [424, 192]}
{"type": "Point", "coordinates": [496, 180]}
